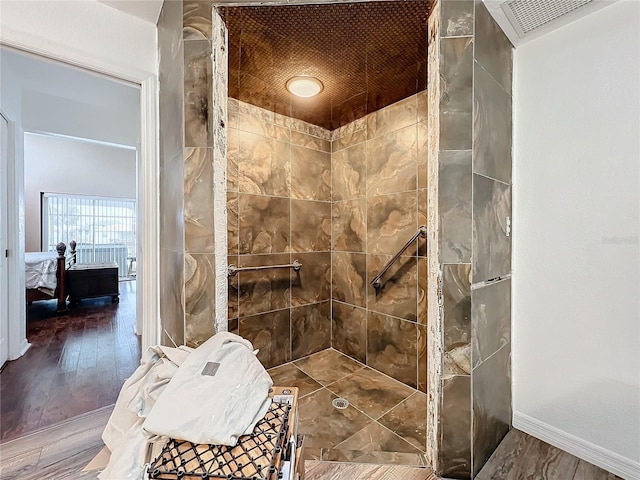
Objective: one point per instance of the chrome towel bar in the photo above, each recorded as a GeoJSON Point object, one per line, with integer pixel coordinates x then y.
{"type": "Point", "coordinates": [232, 270]}
{"type": "Point", "coordinates": [422, 232]}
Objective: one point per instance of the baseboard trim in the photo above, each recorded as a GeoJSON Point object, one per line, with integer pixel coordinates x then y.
{"type": "Point", "coordinates": [24, 347]}
{"type": "Point", "coordinates": [587, 451]}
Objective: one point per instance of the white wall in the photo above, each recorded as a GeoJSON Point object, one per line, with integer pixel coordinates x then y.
{"type": "Point", "coordinates": [12, 108]}
{"type": "Point", "coordinates": [62, 165]}
{"type": "Point", "coordinates": [44, 113]}
{"type": "Point", "coordinates": [88, 31]}
{"type": "Point", "coordinates": [576, 289]}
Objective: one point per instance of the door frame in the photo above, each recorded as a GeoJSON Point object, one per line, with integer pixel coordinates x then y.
{"type": "Point", "coordinates": [4, 204]}
{"type": "Point", "coordinates": [147, 193]}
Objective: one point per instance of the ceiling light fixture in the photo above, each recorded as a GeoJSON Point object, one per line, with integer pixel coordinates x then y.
{"type": "Point", "coordinates": [304, 87]}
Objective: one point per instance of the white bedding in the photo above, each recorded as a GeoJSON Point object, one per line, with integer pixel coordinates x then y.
{"type": "Point", "coordinates": [40, 271]}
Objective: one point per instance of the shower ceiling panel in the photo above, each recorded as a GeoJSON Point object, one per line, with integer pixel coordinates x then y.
{"type": "Point", "coordinates": [368, 55]}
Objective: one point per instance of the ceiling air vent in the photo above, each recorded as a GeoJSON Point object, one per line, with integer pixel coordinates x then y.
{"type": "Point", "coordinates": [526, 15]}
{"type": "Point", "coordinates": [523, 20]}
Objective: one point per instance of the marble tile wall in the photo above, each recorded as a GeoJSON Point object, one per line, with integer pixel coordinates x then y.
{"type": "Point", "coordinates": [193, 92]}
{"type": "Point", "coordinates": [491, 239]}
{"type": "Point", "coordinates": [474, 210]}
{"type": "Point", "coordinates": [278, 211]}
{"type": "Point", "coordinates": [172, 205]}
{"type": "Point", "coordinates": [204, 107]}
{"type": "Point", "coordinates": [379, 199]}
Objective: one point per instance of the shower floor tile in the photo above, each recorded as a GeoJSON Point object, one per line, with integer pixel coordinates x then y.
{"type": "Point", "coordinates": [371, 392]}
{"type": "Point", "coordinates": [385, 420]}
{"type": "Point", "coordinates": [376, 438]}
{"type": "Point", "coordinates": [288, 375]}
{"type": "Point", "coordinates": [409, 420]}
{"type": "Point", "coordinates": [328, 366]}
{"type": "Point", "coordinates": [325, 426]}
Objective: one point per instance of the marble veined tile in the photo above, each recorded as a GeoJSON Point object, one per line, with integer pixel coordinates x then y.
{"type": "Point", "coordinates": [264, 290]}
{"type": "Point", "coordinates": [310, 226]}
{"type": "Point", "coordinates": [393, 117]}
{"type": "Point", "coordinates": [199, 290]}
{"type": "Point", "coordinates": [197, 20]}
{"type": "Point", "coordinates": [456, 292]}
{"type": "Point", "coordinates": [325, 426]}
{"type": "Point", "coordinates": [455, 427]}
{"type": "Point", "coordinates": [371, 392]}
{"type": "Point", "coordinates": [350, 138]}
{"type": "Point", "coordinates": [172, 302]}
{"type": "Point", "coordinates": [349, 330]}
{"type": "Point", "coordinates": [392, 347]}
{"type": "Point", "coordinates": [310, 329]}
{"type": "Point", "coordinates": [491, 228]}
{"type": "Point", "coordinates": [270, 334]}
{"type": "Point", "coordinates": [289, 375]}
{"type": "Point", "coordinates": [491, 405]}
{"type": "Point", "coordinates": [409, 420]}
{"type": "Point", "coordinates": [490, 319]}
{"type": "Point", "coordinates": [391, 222]}
{"type": "Point", "coordinates": [456, 19]}
{"type": "Point", "coordinates": [349, 172]}
{"type": "Point", "coordinates": [198, 105]}
{"type": "Point", "coordinates": [349, 278]}
{"type": "Point", "coordinates": [309, 141]}
{"type": "Point", "coordinates": [349, 225]}
{"type": "Point", "coordinates": [397, 295]}
{"type": "Point", "coordinates": [172, 204]}
{"type": "Point", "coordinates": [264, 224]}
{"type": "Point", "coordinates": [454, 192]}
{"type": "Point", "coordinates": [198, 200]}
{"type": "Point", "coordinates": [376, 438]}
{"type": "Point", "coordinates": [310, 174]}
{"type": "Point", "coordinates": [328, 366]}
{"type": "Point", "coordinates": [456, 103]}
{"type": "Point", "coordinates": [392, 162]}
{"type": "Point", "coordinates": [492, 127]}
{"type": "Point", "coordinates": [264, 165]}
{"type": "Point", "coordinates": [312, 283]}
{"type": "Point", "coordinates": [493, 49]}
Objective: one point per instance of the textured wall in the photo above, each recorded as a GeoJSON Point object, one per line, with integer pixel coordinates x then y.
{"type": "Point", "coordinates": [279, 210]}
{"type": "Point", "coordinates": [379, 200]}
{"type": "Point", "coordinates": [474, 203]}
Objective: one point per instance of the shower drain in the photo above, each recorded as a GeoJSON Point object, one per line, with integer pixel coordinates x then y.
{"type": "Point", "coordinates": [340, 403]}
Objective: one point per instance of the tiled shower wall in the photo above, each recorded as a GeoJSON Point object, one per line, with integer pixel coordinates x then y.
{"type": "Point", "coordinates": [192, 62]}
{"type": "Point", "coordinates": [171, 113]}
{"type": "Point", "coordinates": [379, 201]}
{"type": "Point", "coordinates": [279, 210]}
{"type": "Point", "coordinates": [474, 202]}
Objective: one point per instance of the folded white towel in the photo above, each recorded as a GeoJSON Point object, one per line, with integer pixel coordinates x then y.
{"type": "Point", "coordinates": [218, 394]}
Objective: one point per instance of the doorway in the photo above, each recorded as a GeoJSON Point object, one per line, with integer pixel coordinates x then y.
{"type": "Point", "coordinates": [80, 137]}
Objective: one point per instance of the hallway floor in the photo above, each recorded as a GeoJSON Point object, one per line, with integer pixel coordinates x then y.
{"type": "Point", "coordinates": [384, 421]}
{"type": "Point", "coordinates": [76, 364]}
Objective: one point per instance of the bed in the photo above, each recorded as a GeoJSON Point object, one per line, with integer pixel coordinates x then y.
{"type": "Point", "coordinates": [45, 277]}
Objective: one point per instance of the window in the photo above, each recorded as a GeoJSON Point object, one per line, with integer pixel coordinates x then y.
{"type": "Point", "coordinates": [104, 228]}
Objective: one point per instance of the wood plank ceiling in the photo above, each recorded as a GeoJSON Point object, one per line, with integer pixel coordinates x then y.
{"type": "Point", "coordinates": [368, 55]}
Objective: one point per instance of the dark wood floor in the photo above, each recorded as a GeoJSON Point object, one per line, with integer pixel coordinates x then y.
{"type": "Point", "coordinates": [76, 364]}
